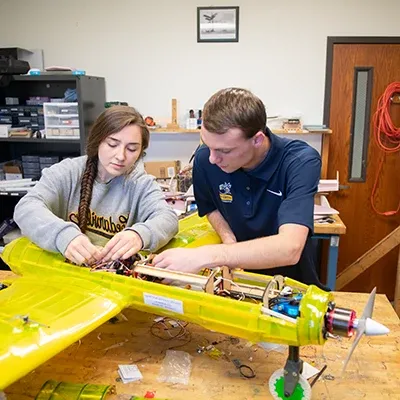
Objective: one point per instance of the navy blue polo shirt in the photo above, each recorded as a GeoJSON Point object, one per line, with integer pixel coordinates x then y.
{"type": "Point", "coordinates": [255, 203]}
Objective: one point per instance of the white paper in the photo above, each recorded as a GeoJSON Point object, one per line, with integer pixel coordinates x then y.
{"type": "Point", "coordinates": [324, 208]}
{"type": "Point", "coordinates": [280, 348]}
{"type": "Point", "coordinates": [171, 172]}
{"type": "Point", "coordinates": [179, 212]}
{"type": "Point", "coordinates": [190, 191]}
{"type": "Point", "coordinates": [309, 370]}
{"type": "Point", "coordinates": [163, 302]}
{"type": "Point", "coordinates": [129, 373]}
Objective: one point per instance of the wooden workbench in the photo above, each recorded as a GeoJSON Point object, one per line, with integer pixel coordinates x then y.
{"type": "Point", "coordinates": [373, 372]}
{"type": "Point", "coordinates": [335, 228]}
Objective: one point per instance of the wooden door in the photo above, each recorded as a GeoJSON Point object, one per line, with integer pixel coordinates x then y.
{"type": "Point", "coordinates": [360, 75]}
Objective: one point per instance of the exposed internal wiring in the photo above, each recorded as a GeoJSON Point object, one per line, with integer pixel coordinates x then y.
{"type": "Point", "coordinates": [242, 295]}
{"type": "Point", "coordinates": [170, 329]}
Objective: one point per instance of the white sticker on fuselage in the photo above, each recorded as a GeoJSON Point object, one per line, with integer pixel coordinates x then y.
{"type": "Point", "coordinates": [163, 302]}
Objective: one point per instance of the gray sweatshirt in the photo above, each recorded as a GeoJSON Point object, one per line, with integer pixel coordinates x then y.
{"type": "Point", "coordinates": [48, 214]}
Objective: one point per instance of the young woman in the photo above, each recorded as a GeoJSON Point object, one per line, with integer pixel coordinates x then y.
{"type": "Point", "coordinates": [102, 206]}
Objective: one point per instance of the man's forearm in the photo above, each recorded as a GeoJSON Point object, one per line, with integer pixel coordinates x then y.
{"type": "Point", "coordinates": [219, 224]}
{"type": "Point", "coordinates": [268, 252]}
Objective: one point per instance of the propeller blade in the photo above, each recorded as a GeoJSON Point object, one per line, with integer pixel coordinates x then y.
{"type": "Point", "coordinates": [369, 307]}
{"type": "Point", "coordinates": [355, 343]}
{"type": "Point", "coordinates": [366, 325]}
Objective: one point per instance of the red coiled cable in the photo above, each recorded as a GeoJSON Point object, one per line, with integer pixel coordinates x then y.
{"type": "Point", "coordinates": [387, 136]}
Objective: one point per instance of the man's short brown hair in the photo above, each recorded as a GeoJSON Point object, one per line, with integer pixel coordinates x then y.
{"type": "Point", "coordinates": [235, 108]}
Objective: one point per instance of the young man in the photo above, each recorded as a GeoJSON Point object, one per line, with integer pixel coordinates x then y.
{"type": "Point", "coordinates": [257, 190]}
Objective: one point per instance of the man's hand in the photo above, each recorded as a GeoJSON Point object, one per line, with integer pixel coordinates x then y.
{"type": "Point", "coordinates": [81, 251]}
{"type": "Point", "coordinates": [183, 260]}
{"type": "Point", "coordinates": [122, 246]}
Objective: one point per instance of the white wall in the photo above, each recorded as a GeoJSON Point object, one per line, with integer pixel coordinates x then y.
{"type": "Point", "coordinates": [148, 52]}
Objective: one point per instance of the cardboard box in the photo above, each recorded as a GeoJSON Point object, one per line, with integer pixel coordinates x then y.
{"type": "Point", "coordinates": [12, 170]}
{"type": "Point", "coordinates": [163, 169]}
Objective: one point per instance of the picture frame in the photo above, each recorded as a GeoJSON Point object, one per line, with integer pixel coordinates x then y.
{"type": "Point", "coordinates": [217, 24]}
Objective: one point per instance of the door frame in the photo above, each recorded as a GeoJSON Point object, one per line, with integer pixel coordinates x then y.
{"type": "Point", "coordinates": [331, 41]}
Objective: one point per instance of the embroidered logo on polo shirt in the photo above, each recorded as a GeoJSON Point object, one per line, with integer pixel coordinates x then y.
{"type": "Point", "coordinates": [275, 193]}
{"type": "Point", "coordinates": [225, 192]}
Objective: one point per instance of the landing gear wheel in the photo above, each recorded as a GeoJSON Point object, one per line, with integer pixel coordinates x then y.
{"type": "Point", "coordinates": [302, 390]}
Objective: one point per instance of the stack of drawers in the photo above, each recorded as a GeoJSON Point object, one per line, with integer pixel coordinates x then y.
{"type": "Point", "coordinates": [34, 165]}
{"type": "Point", "coordinates": [61, 120]}
{"type": "Point", "coordinates": [22, 117]}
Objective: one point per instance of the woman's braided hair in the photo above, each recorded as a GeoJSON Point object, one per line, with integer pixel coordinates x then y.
{"type": "Point", "coordinates": [112, 120]}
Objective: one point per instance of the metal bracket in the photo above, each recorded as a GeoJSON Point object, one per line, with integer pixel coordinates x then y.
{"type": "Point", "coordinates": [292, 370]}
{"type": "Point", "coordinates": [334, 241]}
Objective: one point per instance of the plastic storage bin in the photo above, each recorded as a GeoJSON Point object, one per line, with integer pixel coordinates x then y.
{"type": "Point", "coordinates": [61, 120]}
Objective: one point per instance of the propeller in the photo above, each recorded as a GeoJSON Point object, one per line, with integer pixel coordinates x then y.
{"type": "Point", "coordinates": [366, 325]}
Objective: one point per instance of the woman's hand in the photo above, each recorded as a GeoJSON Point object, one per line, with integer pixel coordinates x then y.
{"type": "Point", "coordinates": [81, 251]}
{"type": "Point", "coordinates": [122, 246]}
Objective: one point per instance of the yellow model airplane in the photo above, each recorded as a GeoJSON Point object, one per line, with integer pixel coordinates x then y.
{"type": "Point", "coordinates": [53, 304]}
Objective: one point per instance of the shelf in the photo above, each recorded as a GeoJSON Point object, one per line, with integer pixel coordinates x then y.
{"type": "Point", "coordinates": [52, 78]}
{"type": "Point", "coordinates": [302, 132]}
{"type": "Point", "coordinates": [13, 194]}
{"type": "Point", "coordinates": [63, 138]}
{"type": "Point", "coordinates": [62, 115]}
{"type": "Point", "coordinates": [34, 140]}
{"type": "Point", "coordinates": [173, 131]}
{"type": "Point", "coordinates": [63, 126]}
{"type": "Point", "coordinates": [276, 131]}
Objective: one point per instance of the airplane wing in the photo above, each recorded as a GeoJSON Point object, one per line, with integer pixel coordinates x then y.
{"type": "Point", "coordinates": [47, 309]}
{"type": "Point", "coordinates": [42, 315]}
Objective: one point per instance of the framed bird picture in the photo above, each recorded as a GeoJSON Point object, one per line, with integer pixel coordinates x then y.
{"type": "Point", "coordinates": [217, 24]}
